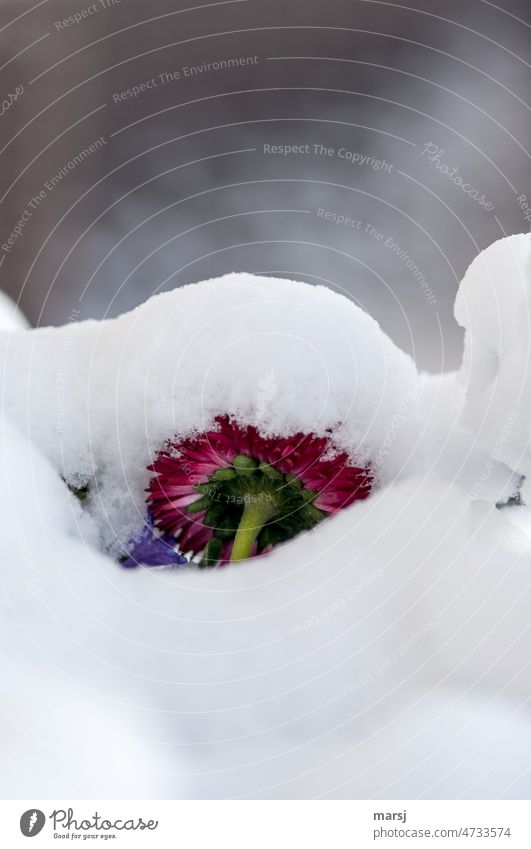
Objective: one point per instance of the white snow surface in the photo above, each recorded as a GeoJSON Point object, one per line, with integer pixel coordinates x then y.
{"type": "Point", "coordinates": [100, 398]}
{"type": "Point", "coordinates": [493, 304]}
{"type": "Point", "coordinates": [383, 655]}
{"type": "Point", "coordinates": [11, 316]}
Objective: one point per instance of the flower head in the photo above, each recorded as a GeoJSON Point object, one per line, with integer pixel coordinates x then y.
{"type": "Point", "coordinates": [231, 493]}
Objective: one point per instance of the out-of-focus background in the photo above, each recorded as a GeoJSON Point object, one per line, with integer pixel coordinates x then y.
{"type": "Point", "coordinates": [138, 151]}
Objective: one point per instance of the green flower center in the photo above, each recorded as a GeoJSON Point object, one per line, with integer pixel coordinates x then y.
{"type": "Point", "coordinates": [252, 502]}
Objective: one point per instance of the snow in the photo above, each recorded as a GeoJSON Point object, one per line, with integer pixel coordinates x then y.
{"type": "Point", "coordinates": [100, 398]}
{"type": "Point", "coordinates": [11, 317]}
{"type": "Point", "coordinates": [493, 305]}
{"type": "Point", "coordinates": [446, 447]}
{"type": "Point", "coordinates": [66, 731]}
{"type": "Point", "coordinates": [382, 655]}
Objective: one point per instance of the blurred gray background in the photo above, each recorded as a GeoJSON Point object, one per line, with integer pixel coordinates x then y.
{"type": "Point", "coordinates": [180, 186]}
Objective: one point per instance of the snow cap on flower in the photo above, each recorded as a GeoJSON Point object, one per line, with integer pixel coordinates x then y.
{"type": "Point", "coordinates": [284, 357]}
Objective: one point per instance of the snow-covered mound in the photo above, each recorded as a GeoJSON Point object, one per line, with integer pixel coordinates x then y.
{"type": "Point", "coordinates": [100, 399]}
{"type": "Point", "coordinates": [383, 654]}
{"type": "Point", "coordinates": [493, 304]}
{"type": "Point", "coordinates": [64, 731]}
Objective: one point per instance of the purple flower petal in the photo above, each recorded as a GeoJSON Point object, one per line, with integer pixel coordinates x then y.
{"type": "Point", "coordinates": [153, 550]}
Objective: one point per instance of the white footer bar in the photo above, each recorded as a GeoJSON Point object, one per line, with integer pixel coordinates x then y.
{"type": "Point", "coordinates": [267, 824]}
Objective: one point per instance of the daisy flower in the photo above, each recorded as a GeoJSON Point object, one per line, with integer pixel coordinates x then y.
{"type": "Point", "coordinates": [231, 493]}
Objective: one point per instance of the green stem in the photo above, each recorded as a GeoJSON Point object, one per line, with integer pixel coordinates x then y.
{"type": "Point", "coordinates": [255, 515]}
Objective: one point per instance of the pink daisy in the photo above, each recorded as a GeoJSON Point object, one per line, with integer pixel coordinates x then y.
{"type": "Point", "coordinates": [231, 493]}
